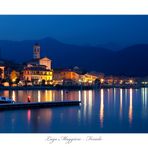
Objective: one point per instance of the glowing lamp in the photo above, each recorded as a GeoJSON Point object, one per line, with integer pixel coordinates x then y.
{"type": "Point", "coordinates": [102, 80]}
{"type": "Point", "coordinates": [130, 81]}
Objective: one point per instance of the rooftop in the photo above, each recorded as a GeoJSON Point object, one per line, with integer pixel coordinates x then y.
{"type": "Point", "coordinates": [36, 68]}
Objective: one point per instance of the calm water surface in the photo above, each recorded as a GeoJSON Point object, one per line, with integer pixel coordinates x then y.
{"type": "Point", "coordinates": [102, 111]}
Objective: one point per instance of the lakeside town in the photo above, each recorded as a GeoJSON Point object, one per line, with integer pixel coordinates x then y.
{"type": "Point", "coordinates": [60, 85]}
{"type": "Point", "coordinates": [38, 72]}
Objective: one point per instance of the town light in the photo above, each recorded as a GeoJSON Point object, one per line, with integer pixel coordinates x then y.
{"type": "Point", "coordinates": [102, 80]}
{"type": "Point", "coordinates": [131, 81]}
{"type": "Point", "coordinates": [13, 80]}
{"type": "Point", "coordinates": [121, 81]}
{"type": "Point", "coordinates": [80, 80]}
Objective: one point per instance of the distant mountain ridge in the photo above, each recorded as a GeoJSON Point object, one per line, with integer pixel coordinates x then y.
{"type": "Point", "coordinates": [130, 61]}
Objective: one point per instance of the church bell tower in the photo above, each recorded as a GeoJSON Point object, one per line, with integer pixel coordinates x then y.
{"type": "Point", "coordinates": [36, 51]}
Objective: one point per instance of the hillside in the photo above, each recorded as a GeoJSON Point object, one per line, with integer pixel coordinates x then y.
{"type": "Point", "coordinates": [128, 61]}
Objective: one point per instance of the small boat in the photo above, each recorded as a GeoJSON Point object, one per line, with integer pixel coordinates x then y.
{"type": "Point", "coordinates": [5, 100]}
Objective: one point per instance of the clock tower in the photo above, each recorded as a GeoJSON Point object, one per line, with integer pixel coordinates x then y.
{"type": "Point", "coordinates": [36, 51]}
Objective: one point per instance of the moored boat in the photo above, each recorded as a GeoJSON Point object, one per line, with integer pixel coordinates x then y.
{"type": "Point", "coordinates": [5, 100]}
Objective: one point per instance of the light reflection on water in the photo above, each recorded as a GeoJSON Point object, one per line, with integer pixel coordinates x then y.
{"type": "Point", "coordinates": [43, 95]}
{"type": "Point", "coordinates": [90, 101]}
{"type": "Point", "coordinates": [101, 108]}
{"type": "Point", "coordinates": [28, 116]}
{"type": "Point", "coordinates": [39, 96]}
{"type": "Point", "coordinates": [121, 95]}
{"type": "Point", "coordinates": [131, 106]}
{"type": "Point", "coordinates": [144, 96]}
{"type": "Point", "coordinates": [14, 95]}
{"type": "Point", "coordinates": [87, 103]}
{"type": "Point", "coordinates": [120, 110]}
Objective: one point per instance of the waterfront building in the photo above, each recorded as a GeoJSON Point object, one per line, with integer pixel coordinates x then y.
{"type": "Point", "coordinates": [119, 80]}
{"type": "Point", "coordinates": [14, 75]}
{"type": "Point", "coordinates": [109, 80]}
{"type": "Point", "coordinates": [87, 79]}
{"type": "Point", "coordinates": [143, 81]}
{"type": "Point", "coordinates": [45, 61]}
{"type": "Point", "coordinates": [2, 71]}
{"type": "Point", "coordinates": [38, 70]}
{"type": "Point", "coordinates": [9, 72]}
{"type": "Point", "coordinates": [5, 68]}
{"type": "Point", "coordinates": [37, 74]}
{"type": "Point", "coordinates": [37, 60]}
{"type": "Point", "coordinates": [65, 77]}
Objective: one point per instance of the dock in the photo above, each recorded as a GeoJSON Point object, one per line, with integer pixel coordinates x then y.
{"type": "Point", "coordinates": [30, 105]}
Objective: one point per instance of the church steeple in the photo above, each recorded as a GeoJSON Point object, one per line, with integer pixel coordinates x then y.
{"type": "Point", "coordinates": [36, 51]}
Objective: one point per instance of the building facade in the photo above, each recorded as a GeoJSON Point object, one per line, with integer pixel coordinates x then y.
{"type": "Point", "coordinates": [46, 62]}
{"type": "Point", "coordinates": [37, 74]}
{"type": "Point", "coordinates": [87, 79]}
{"type": "Point", "coordinates": [38, 69]}
{"type": "Point", "coordinates": [65, 77]}
{"type": "Point", "coordinates": [36, 51]}
{"type": "Point", "coordinates": [2, 72]}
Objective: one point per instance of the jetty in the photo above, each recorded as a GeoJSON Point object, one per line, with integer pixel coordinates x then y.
{"type": "Point", "coordinates": [31, 105]}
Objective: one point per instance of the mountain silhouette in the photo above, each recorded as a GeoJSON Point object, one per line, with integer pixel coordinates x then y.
{"type": "Point", "coordinates": [130, 61]}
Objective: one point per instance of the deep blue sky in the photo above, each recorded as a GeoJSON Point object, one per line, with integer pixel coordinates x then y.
{"type": "Point", "coordinates": [89, 30]}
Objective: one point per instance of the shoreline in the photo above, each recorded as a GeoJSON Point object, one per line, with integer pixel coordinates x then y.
{"type": "Point", "coordinates": [70, 87]}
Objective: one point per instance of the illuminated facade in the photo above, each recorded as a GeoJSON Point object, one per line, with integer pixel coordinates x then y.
{"type": "Point", "coordinates": [65, 77]}
{"type": "Point", "coordinates": [120, 80]}
{"type": "Point", "coordinates": [87, 79]}
{"type": "Point", "coordinates": [2, 68]}
{"type": "Point", "coordinates": [38, 69]}
{"type": "Point", "coordinates": [45, 61]}
{"type": "Point", "coordinates": [14, 75]}
{"type": "Point", "coordinates": [36, 74]}
{"type": "Point", "coordinates": [69, 75]}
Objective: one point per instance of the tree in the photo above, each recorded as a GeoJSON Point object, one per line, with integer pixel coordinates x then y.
{"type": "Point", "coordinates": [97, 82]}
{"type": "Point", "coordinates": [43, 82]}
{"type": "Point", "coordinates": [17, 80]}
{"type": "Point", "coordinates": [13, 76]}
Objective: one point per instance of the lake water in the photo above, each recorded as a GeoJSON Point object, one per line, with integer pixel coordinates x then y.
{"type": "Point", "coordinates": [112, 110]}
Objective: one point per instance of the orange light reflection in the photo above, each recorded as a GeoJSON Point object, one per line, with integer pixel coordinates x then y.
{"type": "Point", "coordinates": [130, 114]}
{"type": "Point", "coordinates": [101, 108]}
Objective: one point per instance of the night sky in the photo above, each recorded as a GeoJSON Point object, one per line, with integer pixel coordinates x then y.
{"type": "Point", "coordinates": [81, 30]}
